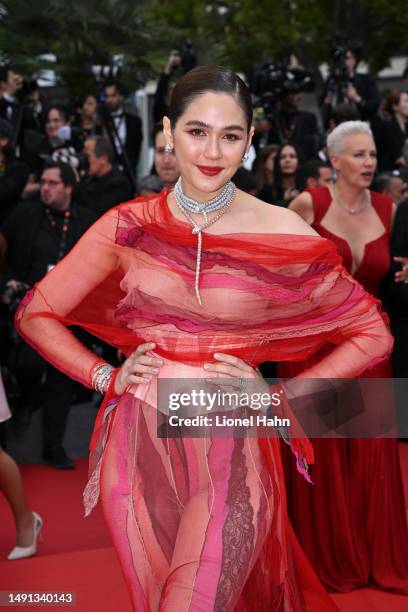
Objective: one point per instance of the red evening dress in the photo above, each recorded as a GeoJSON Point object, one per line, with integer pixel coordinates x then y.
{"type": "Point", "coordinates": [352, 522]}
{"type": "Point", "coordinates": [199, 523]}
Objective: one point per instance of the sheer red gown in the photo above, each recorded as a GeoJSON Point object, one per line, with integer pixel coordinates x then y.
{"type": "Point", "coordinates": [352, 522]}
{"type": "Point", "coordinates": [200, 524]}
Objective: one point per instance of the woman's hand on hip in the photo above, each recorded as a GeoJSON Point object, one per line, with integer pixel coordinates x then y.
{"type": "Point", "coordinates": [243, 376]}
{"type": "Point", "coordinates": [138, 368]}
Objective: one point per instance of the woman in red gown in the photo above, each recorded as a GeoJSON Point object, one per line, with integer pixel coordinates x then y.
{"type": "Point", "coordinates": [352, 522]}
{"type": "Point", "coordinates": [206, 281]}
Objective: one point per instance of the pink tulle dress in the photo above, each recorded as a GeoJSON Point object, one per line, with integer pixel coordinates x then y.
{"type": "Point", "coordinates": [200, 524]}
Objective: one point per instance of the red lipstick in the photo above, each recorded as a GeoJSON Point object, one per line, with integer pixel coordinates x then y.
{"type": "Point", "coordinates": [210, 170]}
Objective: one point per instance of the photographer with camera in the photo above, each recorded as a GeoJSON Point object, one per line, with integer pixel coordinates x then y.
{"type": "Point", "coordinates": [346, 85]}
{"type": "Point", "coordinates": [278, 88]}
{"type": "Point", "coordinates": [178, 63]}
{"type": "Point", "coordinates": [38, 235]}
{"type": "Point", "coordinates": [165, 85]}
{"type": "Point", "coordinates": [288, 123]}
{"type": "Point", "coordinates": [16, 106]}
{"type": "Point", "coordinates": [296, 126]}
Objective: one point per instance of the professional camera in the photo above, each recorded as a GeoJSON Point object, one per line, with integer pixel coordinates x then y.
{"type": "Point", "coordinates": [271, 82]}
{"type": "Point", "coordinates": [106, 73]}
{"type": "Point", "coordinates": [338, 74]}
{"type": "Point", "coordinates": [26, 90]}
{"type": "Point", "coordinates": [188, 59]}
{"type": "Point", "coordinates": [22, 86]}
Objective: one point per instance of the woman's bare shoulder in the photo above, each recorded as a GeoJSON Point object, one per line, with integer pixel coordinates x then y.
{"type": "Point", "coordinates": [287, 221]}
{"type": "Point", "coordinates": [277, 219]}
{"type": "Point", "coordinates": [303, 206]}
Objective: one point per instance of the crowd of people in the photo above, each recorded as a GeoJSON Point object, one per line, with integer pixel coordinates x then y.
{"type": "Point", "coordinates": [63, 173]}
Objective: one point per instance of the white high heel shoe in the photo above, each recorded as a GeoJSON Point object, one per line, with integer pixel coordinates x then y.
{"type": "Point", "coordinates": [21, 552]}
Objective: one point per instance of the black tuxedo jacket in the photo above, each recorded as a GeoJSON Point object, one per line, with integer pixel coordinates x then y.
{"type": "Point", "coordinates": [305, 132]}
{"type": "Point", "coordinates": [21, 229]}
{"type": "Point", "coordinates": [12, 183]}
{"type": "Point", "coordinates": [100, 194]}
{"type": "Point", "coordinates": [393, 140]}
{"type": "Point", "coordinates": [134, 137]}
{"type": "Point", "coordinates": [22, 119]}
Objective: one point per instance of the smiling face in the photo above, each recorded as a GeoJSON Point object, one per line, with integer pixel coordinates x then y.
{"type": "Point", "coordinates": [288, 160]}
{"type": "Point", "coordinates": [209, 139]}
{"type": "Point", "coordinates": [357, 161]}
{"type": "Point", "coordinates": [54, 122]}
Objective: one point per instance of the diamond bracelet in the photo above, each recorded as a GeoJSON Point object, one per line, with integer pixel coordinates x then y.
{"type": "Point", "coordinates": [101, 377]}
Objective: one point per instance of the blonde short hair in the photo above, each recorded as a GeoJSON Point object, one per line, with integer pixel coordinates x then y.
{"type": "Point", "coordinates": [336, 139]}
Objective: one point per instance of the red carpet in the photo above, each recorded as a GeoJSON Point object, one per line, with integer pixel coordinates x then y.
{"type": "Point", "coordinates": [57, 497]}
{"type": "Point", "coordinates": [77, 555]}
{"type": "Point", "coordinates": [79, 572]}
{"type": "Point", "coordinates": [76, 552]}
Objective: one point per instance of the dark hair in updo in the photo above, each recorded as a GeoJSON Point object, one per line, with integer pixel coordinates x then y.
{"type": "Point", "coordinates": [204, 79]}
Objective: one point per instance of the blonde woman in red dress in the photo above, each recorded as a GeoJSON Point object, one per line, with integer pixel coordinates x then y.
{"type": "Point", "coordinates": [352, 522]}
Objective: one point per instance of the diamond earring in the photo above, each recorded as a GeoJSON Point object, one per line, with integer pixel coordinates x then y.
{"type": "Point", "coordinates": [245, 157]}
{"type": "Point", "coordinates": [168, 148]}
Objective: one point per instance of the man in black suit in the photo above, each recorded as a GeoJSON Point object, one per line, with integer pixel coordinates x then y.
{"type": "Point", "coordinates": [124, 130]}
{"type": "Point", "coordinates": [37, 235]}
{"type": "Point", "coordinates": [289, 124]}
{"type": "Point", "coordinates": [353, 88]}
{"type": "Point", "coordinates": [15, 107]}
{"type": "Point", "coordinates": [104, 186]}
{"type": "Point", "coordinates": [13, 172]}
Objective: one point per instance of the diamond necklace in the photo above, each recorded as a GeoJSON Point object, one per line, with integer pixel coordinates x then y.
{"type": "Point", "coordinates": [351, 211]}
{"type": "Point", "coordinates": [187, 205]}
